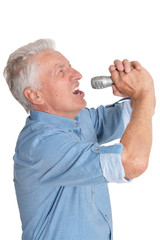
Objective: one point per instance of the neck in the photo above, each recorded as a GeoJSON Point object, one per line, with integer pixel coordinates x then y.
{"type": "Point", "coordinates": [70, 115]}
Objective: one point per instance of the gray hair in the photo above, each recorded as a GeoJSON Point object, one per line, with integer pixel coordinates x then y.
{"type": "Point", "coordinates": [21, 72]}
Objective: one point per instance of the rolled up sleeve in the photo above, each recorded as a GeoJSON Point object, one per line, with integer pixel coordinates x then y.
{"type": "Point", "coordinates": [112, 168]}
{"type": "Point", "coordinates": [111, 164]}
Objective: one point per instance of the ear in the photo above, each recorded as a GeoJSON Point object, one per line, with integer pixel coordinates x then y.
{"type": "Point", "coordinates": [34, 96]}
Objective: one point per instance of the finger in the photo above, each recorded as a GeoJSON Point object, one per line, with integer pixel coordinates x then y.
{"type": "Point", "coordinates": [115, 75]}
{"type": "Point", "coordinates": [119, 65]}
{"type": "Point", "coordinates": [127, 65]}
{"type": "Point", "coordinates": [122, 74]}
{"type": "Point", "coordinates": [112, 68]}
{"type": "Point", "coordinates": [136, 65]}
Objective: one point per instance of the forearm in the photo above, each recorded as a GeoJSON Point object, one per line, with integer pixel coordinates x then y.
{"type": "Point", "coordinates": [137, 138]}
{"type": "Point", "coordinates": [132, 80]}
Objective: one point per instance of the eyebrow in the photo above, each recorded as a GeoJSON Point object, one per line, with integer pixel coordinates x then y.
{"type": "Point", "coordinates": [61, 65]}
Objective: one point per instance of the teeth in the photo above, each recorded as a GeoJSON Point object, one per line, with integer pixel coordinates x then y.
{"type": "Point", "coordinates": [75, 89]}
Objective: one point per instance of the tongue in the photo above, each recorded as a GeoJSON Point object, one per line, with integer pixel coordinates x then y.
{"type": "Point", "coordinates": [77, 91]}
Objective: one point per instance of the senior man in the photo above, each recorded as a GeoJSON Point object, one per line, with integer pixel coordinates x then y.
{"type": "Point", "coordinates": [61, 169]}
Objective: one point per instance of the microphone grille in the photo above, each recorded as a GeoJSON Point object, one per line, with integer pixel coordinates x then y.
{"type": "Point", "coordinates": [100, 82]}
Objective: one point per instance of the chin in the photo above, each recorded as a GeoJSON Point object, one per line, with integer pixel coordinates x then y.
{"type": "Point", "coordinates": [83, 105]}
{"type": "Point", "coordinates": [77, 107]}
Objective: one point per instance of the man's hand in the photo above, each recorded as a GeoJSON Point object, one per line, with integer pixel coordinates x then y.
{"type": "Point", "coordinates": [122, 67]}
{"type": "Point", "coordinates": [132, 80]}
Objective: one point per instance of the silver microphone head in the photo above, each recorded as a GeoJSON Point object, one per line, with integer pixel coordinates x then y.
{"type": "Point", "coordinates": [100, 82]}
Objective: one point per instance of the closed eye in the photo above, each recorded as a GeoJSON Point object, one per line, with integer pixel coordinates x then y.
{"type": "Point", "coordinates": [60, 70]}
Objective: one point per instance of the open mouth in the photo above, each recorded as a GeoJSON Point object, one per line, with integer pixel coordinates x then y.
{"type": "Point", "coordinates": [77, 91]}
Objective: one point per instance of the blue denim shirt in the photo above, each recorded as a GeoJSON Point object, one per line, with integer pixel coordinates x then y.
{"type": "Point", "coordinates": [61, 171]}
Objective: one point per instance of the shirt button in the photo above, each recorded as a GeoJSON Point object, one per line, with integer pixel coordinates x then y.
{"type": "Point", "coordinates": [70, 130]}
{"type": "Point", "coordinates": [106, 217]}
{"type": "Point", "coordinates": [96, 149]}
{"type": "Point", "coordinates": [76, 124]}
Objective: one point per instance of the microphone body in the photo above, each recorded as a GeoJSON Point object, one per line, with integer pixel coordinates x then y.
{"type": "Point", "coordinates": [100, 82]}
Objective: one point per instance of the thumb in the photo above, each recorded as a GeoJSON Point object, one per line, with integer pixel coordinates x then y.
{"type": "Point", "coordinates": [115, 91]}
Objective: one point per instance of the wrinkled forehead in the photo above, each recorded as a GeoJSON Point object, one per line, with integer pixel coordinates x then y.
{"type": "Point", "coordinates": [50, 58]}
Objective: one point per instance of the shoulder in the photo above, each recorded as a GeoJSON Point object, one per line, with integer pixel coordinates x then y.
{"type": "Point", "coordinates": [37, 132]}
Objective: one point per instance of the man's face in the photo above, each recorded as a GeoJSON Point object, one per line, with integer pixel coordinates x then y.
{"type": "Point", "coordinates": [59, 85]}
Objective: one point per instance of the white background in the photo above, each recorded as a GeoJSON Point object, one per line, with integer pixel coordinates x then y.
{"type": "Point", "coordinates": [91, 34]}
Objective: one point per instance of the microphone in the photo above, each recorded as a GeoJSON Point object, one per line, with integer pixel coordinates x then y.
{"type": "Point", "coordinates": [100, 82]}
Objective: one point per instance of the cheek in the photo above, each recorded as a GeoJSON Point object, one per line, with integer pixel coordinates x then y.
{"type": "Point", "coordinates": [59, 93]}
{"type": "Point", "coordinates": [53, 91]}
{"type": "Point", "coordinates": [61, 96]}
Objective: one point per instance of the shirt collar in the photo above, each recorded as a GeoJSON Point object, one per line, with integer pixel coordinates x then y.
{"type": "Point", "coordinates": [58, 121]}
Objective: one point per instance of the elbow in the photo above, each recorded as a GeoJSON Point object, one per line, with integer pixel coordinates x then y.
{"type": "Point", "coordinates": [140, 167]}
{"type": "Point", "coordinates": [134, 167]}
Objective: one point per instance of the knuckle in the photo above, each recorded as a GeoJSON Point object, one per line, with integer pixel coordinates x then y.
{"type": "Point", "coordinates": [125, 61]}
{"type": "Point", "coordinates": [116, 61]}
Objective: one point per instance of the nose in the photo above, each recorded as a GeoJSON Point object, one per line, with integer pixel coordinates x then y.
{"type": "Point", "coordinates": [77, 75]}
